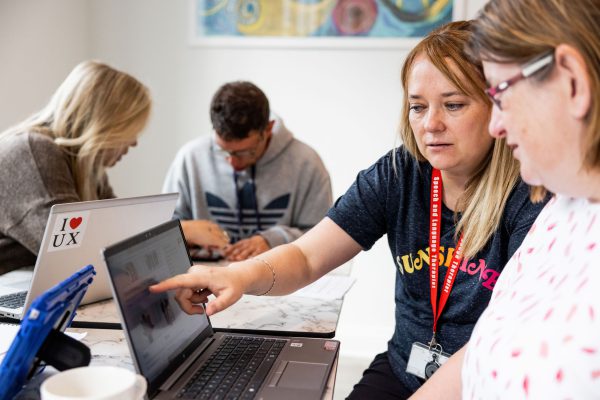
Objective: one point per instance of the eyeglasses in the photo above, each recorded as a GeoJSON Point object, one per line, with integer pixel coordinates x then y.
{"type": "Point", "coordinates": [240, 154]}
{"type": "Point", "coordinates": [237, 154]}
{"type": "Point", "coordinates": [526, 72]}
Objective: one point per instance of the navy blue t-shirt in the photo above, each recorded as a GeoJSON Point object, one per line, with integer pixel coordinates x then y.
{"type": "Point", "coordinates": [383, 201]}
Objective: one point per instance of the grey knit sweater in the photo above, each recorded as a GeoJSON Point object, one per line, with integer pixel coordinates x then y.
{"type": "Point", "coordinates": [34, 175]}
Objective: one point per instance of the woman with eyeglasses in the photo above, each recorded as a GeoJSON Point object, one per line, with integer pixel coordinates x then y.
{"type": "Point", "coordinates": [452, 206]}
{"type": "Point", "coordinates": [540, 336]}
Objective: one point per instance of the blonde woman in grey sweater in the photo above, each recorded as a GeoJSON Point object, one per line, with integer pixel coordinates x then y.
{"type": "Point", "coordinates": [60, 154]}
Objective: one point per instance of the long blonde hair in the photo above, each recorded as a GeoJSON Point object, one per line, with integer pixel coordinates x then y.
{"type": "Point", "coordinates": [95, 110]}
{"type": "Point", "coordinates": [509, 31]}
{"type": "Point", "coordinates": [487, 191]}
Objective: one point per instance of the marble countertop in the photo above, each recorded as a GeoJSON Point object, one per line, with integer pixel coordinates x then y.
{"type": "Point", "coordinates": [272, 314]}
{"type": "Point", "coordinates": [304, 316]}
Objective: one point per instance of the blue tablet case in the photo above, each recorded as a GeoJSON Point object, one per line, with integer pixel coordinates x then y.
{"type": "Point", "coordinates": [49, 315]}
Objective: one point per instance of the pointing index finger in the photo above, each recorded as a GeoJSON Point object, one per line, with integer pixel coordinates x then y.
{"type": "Point", "coordinates": [177, 282]}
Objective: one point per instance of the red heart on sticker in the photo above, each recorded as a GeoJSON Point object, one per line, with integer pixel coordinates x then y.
{"type": "Point", "coordinates": [75, 222]}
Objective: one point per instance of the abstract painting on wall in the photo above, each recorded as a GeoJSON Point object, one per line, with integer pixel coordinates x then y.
{"type": "Point", "coordinates": [316, 20]}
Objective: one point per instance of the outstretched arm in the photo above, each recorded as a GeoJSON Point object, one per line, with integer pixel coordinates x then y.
{"type": "Point", "coordinates": [279, 271]}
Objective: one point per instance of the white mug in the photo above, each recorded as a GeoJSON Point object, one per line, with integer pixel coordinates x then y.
{"type": "Point", "coordinates": [96, 382]}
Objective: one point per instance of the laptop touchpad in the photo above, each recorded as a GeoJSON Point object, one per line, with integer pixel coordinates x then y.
{"type": "Point", "coordinates": [303, 375]}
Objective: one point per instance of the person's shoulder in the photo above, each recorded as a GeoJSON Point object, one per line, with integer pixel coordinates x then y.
{"type": "Point", "coordinates": [37, 144]}
{"type": "Point", "coordinates": [402, 157]}
{"type": "Point", "coordinates": [285, 145]}
{"type": "Point", "coordinates": [199, 142]}
{"type": "Point", "coordinates": [520, 193]}
{"type": "Point", "coordinates": [398, 168]}
{"type": "Point", "coordinates": [193, 147]}
{"type": "Point", "coordinates": [302, 149]}
{"type": "Point", "coordinates": [39, 140]}
{"type": "Point", "coordinates": [401, 162]}
{"type": "Point", "coordinates": [23, 139]}
{"type": "Point", "coordinates": [519, 204]}
{"type": "Point", "coordinates": [49, 156]}
{"type": "Point", "coordinates": [11, 142]}
{"type": "Point", "coordinates": [33, 155]}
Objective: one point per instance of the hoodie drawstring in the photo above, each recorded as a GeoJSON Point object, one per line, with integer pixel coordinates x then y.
{"type": "Point", "coordinates": [238, 194]}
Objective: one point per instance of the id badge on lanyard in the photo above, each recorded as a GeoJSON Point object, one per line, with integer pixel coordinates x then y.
{"type": "Point", "coordinates": [425, 359]}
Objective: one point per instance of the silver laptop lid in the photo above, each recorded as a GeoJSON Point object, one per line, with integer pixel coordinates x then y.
{"type": "Point", "coordinates": [160, 335]}
{"type": "Point", "coordinates": [76, 232]}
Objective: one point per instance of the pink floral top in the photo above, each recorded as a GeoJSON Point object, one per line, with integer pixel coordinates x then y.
{"type": "Point", "coordinates": [539, 338]}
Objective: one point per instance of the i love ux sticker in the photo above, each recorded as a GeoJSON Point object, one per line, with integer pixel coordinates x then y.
{"type": "Point", "coordinates": [68, 231]}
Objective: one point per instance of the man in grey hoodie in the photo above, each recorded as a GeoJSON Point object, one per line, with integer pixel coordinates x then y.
{"type": "Point", "coordinates": [256, 181]}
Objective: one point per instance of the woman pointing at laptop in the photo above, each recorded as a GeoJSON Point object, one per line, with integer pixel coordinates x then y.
{"type": "Point", "coordinates": [452, 206]}
{"type": "Point", "coordinates": [60, 154]}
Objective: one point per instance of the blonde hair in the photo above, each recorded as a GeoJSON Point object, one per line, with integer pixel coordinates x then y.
{"type": "Point", "coordinates": [512, 31]}
{"type": "Point", "coordinates": [95, 110]}
{"type": "Point", "coordinates": [487, 191]}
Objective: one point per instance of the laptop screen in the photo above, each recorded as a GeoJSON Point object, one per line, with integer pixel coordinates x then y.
{"type": "Point", "coordinates": [159, 331]}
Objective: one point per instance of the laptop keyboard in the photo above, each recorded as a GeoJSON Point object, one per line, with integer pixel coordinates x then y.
{"type": "Point", "coordinates": [13, 300]}
{"type": "Point", "coordinates": [235, 370]}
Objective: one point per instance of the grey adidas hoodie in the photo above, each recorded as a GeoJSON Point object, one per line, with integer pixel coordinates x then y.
{"type": "Point", "coordinates": [290, 192]}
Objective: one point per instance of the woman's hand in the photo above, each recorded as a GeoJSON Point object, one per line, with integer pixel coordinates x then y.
{"type": "Point", "coordinates": [204, 233]}
{"type": "Point", "coordinates": [194, 287]}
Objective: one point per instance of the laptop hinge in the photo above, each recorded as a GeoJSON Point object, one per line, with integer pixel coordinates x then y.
{"type": "Point", "coordinates": [167, 384]}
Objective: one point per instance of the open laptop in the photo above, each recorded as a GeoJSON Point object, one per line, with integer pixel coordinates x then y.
{"type": "Point", "coordinates": [181, 356]}
{"type": "Point", "coordinates": [74, 235]}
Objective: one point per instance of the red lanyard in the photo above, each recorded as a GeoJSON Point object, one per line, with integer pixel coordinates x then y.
{"type": "Point", "coordinates": [435, 219]}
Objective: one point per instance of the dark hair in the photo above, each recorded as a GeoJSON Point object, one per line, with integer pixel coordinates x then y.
{"type": "Point", "coordinates": [238, 108]}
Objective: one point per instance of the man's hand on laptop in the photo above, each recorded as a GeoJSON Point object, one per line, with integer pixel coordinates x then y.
{"type": "Point", "coordinates": [204, 233]}
{"type": "Point", "coordinates": [246, 248]}
{"type": "Point", "coordinates": [194, 287]}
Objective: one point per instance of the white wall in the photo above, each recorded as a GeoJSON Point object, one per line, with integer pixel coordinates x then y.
{"type": "Point", "coordinates": [345, 103]}
{"type": "Point", "coordinates": [40, 41]}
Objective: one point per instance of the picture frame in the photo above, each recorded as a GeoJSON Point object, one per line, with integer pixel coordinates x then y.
{"type": "Point", "coordinates": [209, 29]}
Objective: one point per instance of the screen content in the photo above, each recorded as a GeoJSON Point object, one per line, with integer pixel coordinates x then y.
{"type": "Point", "coordinates": [158, 328]}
